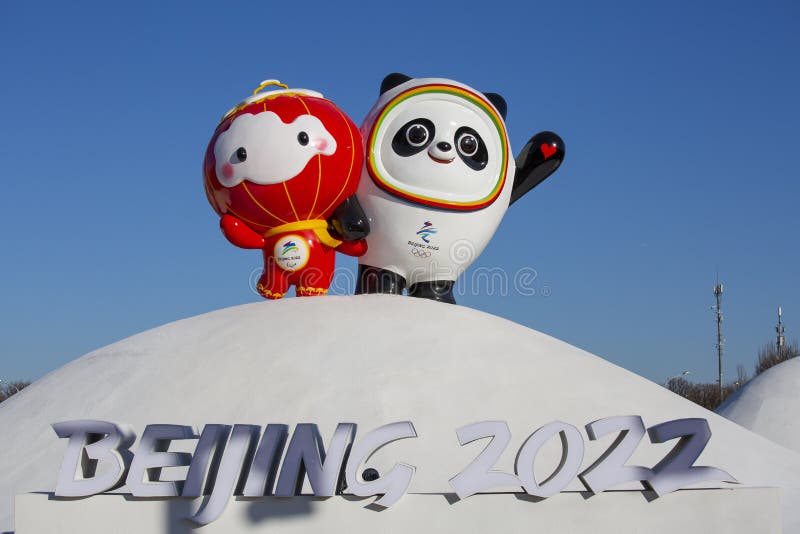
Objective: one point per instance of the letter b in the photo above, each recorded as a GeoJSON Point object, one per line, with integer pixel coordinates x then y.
{"type": "Point", "coordinates": [92, 443]}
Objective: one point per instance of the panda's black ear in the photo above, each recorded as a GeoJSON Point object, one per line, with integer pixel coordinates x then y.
{"type": "Point", "coordinates": [538, 159]}
{"type": "Point", "coordinates": [499, 102]}
{"type": "Point", "coordinates": [393, 80]}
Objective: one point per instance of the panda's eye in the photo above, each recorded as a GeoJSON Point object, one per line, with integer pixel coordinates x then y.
{"type": "Point", "coordinates": [417, 135]}
{"type": "Point", "coordinates": [302, 138]}
{"type": "Point", "coordinates": [467, 144]}
{"type": "Point", "coordinates": [413, 137]}
{"type": "Point", "coordinates": [471, 148]}
{"type": "Point", "coordinates": [241, 154]}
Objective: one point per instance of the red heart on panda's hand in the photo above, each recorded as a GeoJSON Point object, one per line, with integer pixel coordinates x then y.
{"type": "Point", "coordinates": [547, 150]}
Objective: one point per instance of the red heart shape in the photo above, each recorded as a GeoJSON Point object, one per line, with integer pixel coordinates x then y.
{"type": "Point", "coordinates": [547, 150]}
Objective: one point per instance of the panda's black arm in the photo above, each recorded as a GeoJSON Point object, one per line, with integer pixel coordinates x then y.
{"type": "Point", "coordinates": [349, 222]}
{"type": "Point", "coordinates": [539, 158]}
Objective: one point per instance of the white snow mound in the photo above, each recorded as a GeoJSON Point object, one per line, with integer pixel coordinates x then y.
{"type": "Point", "coordinates": [370, 360]}
{"type": "Point", "coordinates": [769, 404]}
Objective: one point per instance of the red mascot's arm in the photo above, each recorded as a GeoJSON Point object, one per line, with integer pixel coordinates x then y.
{"type": "Point", "coordinates": [353, 248]}
{"type": "Point", "coordinates": [239, 233]}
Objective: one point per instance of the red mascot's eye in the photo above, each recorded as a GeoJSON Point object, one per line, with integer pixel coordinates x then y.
{"type": "Point", "coordinates": [302, 138]}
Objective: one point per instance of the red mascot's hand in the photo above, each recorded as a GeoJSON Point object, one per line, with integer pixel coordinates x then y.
{"type": "Point", "coordinates": [239, 233]}
{"type": "Point", "coordinates": [353, 248]}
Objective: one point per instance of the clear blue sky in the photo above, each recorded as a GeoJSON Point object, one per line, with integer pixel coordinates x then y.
{"type": "Point", "coordinates": [680, 119]}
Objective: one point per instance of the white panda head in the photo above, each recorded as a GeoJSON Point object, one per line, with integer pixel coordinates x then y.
{"type": "Point", "coordinates": [262, 149]}
{"type": "Point", "coordinates": [438, 142]}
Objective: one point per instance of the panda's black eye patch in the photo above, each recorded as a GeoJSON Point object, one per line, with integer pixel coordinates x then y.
{"type": "Point", "coordinates": [413, 137]}
{"type": "Point", "coordinates": [471, 148]}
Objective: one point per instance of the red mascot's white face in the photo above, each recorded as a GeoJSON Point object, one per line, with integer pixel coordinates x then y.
{"type": "Point", "coordinates": [262, 149]}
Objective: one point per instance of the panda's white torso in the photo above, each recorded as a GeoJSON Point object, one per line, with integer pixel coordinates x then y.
{"type": "Point", "coordinates": [437, 179]}
{"type": "Point", "coordinates": [397, 235]}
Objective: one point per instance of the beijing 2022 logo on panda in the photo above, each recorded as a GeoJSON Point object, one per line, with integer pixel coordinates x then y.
{"type": "Point", "coordinates": [425, 233]}
{"type": "Point", "coordinates": [291, 252]}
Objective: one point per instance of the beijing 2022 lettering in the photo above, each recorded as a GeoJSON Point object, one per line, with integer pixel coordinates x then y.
{"type": "Point", "coordinates": [246, 460]}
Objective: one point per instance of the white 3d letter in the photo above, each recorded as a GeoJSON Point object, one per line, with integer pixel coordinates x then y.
{"type": "Point", "coordinates": [264, 468]}
{"type": "Point", "coordinates": [571, 459]}
{"type": "Point", "coordinates": [677, 469]}
{"type": "Point", "coordinates": [479, 475]}
{"type": "Point", "coordinates": [91, 442]}
{"type": "Point", "coordinates": [152, 455]}
{"type": "Point", "coordinates": [305, 454]}
{"type": "Point", "coordinates": [236, 460]}
{"type": "Point", "coordinates": [393, 484]}
{"type": "Point", "coordinates": [610, 469]}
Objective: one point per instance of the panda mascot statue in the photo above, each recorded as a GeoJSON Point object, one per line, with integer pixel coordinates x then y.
{"type": "Point", "coordinates": [438, 176]}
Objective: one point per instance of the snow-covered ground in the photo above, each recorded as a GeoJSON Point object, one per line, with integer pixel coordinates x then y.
{"type": "Point", "coordinates": [769, 404]}
{"type": "Point", "coordinates": [371, 360]}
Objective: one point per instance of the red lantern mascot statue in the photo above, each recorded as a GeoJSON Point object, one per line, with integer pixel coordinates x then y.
{"type": "Point", "coordinates": [281, 170]}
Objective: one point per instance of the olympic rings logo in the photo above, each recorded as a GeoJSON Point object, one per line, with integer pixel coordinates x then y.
{"type": "Point", "coordinates": [421, 253]}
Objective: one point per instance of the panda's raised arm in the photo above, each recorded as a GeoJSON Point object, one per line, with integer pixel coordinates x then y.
{"type": "Point", "coordinates": [349, 222]}
{"type": "Point", "coordinates": [539, 158]}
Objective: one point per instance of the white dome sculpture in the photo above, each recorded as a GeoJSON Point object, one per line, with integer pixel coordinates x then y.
{"type": "Point", "coordinates": [373, 360]}
{"type": "Point", "coordinates": [769, 404]}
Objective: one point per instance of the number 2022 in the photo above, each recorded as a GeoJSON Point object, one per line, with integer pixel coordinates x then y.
{"type": "Point", "coordinates": [676, 470]}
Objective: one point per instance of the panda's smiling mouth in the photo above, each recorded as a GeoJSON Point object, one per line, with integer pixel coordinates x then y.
{"type": "Point", "coordinates": [437, 160]}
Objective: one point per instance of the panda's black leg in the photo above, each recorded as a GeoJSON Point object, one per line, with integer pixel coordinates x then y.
{"type": "Point", "coordinates": [438, 290]}
{"type": "Point", "coordinates": [376, 280]}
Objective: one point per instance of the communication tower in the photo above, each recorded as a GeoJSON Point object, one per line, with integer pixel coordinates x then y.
{"type": "Point", "coordinates": [718, 295]}
{"type": "Point", "coordinates": [781, 341]}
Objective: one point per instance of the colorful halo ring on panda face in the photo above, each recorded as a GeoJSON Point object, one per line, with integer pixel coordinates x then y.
{"type": "Point", "coordinates": [423, 179]}
{"type": "Point", "coordinates": [308, 192]}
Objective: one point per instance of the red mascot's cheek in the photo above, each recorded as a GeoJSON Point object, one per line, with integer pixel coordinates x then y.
{"type": "Point", "coordinates": [227, 171]}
